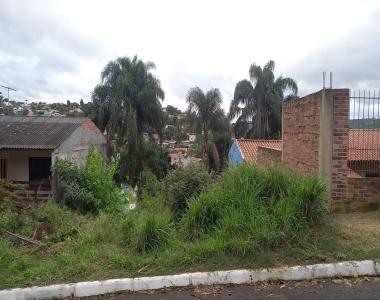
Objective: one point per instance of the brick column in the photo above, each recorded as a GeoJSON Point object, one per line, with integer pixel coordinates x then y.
{"type": "Point", "coordinates": [339, 168]}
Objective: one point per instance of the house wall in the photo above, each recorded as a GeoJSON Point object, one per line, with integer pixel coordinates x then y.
{"type": "Point", "coordinates": [268, 156]}
{"type": "Point", "coordinates": [18, 162]}
{"type": "Point", "coordinates": [301, 131]}
{"type": "Point", "coordinates": [363, 194]}
{"type": "Point", "coordinates": [235, 156]}
{"type": "Point", "coordinates": [75, 148]}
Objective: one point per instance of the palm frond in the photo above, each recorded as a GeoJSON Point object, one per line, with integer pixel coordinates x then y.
{"type": "Point", "coordinates": [255, 72]}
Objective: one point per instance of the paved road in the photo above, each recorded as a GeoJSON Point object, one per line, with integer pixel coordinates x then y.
{"type": "Point", "coordinates": [367, 288]}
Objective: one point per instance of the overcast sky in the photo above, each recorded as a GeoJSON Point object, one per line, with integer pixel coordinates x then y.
{"type": "Point", "coordinates": [55, 50]}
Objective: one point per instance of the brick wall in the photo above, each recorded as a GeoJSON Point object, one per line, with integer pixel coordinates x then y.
{"type": "Point", "coordinates": [268, 156]}
{"type": "Point", "coordinates": [315, 141]}
{"type": "Point", "coordinates": [339, 168]}
{"type": "Point", "coordinates": [362, 195]}
{"type": "Point", "coordinates": [301, 134]}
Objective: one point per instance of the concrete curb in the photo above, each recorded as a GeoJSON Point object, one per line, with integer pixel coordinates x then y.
{"type": "Point", "coordinates": [82, 289]}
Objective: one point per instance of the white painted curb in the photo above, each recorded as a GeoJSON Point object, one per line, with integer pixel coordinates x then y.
{"type": "Point", "coordinates": [82, 289]}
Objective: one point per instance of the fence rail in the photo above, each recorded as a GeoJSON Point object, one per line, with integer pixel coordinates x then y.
{"type": "Point", "coordinates": [364, 134]}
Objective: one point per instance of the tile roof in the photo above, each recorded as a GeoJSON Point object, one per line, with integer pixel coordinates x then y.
{"type": "Point", "coordinates": [364, 144]}
{"type": "Point", "coordinates": [249, 147]}
{"type": "Point", "coordinates": [36, 132]}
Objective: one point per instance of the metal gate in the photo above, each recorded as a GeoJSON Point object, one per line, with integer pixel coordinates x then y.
{"type": "Point", "coordinates": [364, 134]}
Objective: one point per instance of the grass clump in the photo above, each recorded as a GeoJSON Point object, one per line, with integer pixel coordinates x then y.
{"type": "Point", "coordinates": [148, 228]}
{"type": "Point", "coordinates": [153, 233]}
{"type": "Point", "coordinates": [255, 206]}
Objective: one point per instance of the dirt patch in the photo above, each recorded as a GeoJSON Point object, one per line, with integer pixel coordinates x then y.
{"type": "Point", "coordinates": [363, 227]}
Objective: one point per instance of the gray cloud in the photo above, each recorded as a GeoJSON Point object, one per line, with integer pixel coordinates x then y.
{"type": "Point", "coordinates": [38, 47]}
{"type": "Point", "coordinates": [353, 59]}
{"type": "Point", "coordinates": [47, 56]}
{"type": "Point", "coordinates": [182, 80]}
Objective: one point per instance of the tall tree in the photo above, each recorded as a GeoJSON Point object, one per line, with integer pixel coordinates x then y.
{"type": "Point", "coordinates": [127, 102]}
{"type": "Point", "coordinates": [259, 102]}
{"type": "Point", "coordinates": [221, 134]}
{"type": "Point", "coordinates": [204, 108]}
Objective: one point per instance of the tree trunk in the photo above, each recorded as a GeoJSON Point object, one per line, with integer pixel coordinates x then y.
{"type": "Point", "coordinates": [215, 156]}
{"type": "Point", "coordinates": [205, 147]}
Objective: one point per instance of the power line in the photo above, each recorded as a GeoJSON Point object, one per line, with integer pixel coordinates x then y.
{"type": "Point", "coordinates": [8, 88]}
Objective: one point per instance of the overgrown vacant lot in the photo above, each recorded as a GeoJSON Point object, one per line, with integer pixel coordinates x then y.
{"type": "Point", "coordinates": [250, 218]}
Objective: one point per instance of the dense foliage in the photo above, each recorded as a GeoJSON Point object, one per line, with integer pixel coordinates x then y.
{"type": "Point", "coordinates": [257, 107]}
{"type": "Point", "coordinates": [204, 116]}
{"type": "Point", "coordinates": [127, 103]}
{"type": "Point", "coordinates": [183, 185]}
{"type": "Point", "coordinates": [88, 188]}
{"type": "Point", "coordinates": [150, 156]}
{"type": "Point", "coordinates": [149, 183]}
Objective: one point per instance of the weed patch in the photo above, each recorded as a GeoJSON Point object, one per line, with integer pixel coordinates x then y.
{"type": "Point", "coordinates": [238, 223]}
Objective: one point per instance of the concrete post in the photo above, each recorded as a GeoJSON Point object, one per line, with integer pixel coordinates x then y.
{"type": "Point", "coordinates": [326, 121]}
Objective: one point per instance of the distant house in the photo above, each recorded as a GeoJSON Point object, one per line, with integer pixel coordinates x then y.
{"type": "Point", "coordinates": [177, 154]}
{"type": "Point", "coordinates": [364, 152]}
{"type": "Point", "coordinates": [30, 145]}
{"type": "Point", "coordinates": [76, 110]}
{"type": "Point", "coordinates": [243, 150]}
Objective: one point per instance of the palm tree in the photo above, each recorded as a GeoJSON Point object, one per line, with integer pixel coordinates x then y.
{"type": "Point", "coordinates": [127, 103]}
{"type": "Point", "coordinates": [204, 108]}
{"type": "Point", "coordinates": [260, 102]}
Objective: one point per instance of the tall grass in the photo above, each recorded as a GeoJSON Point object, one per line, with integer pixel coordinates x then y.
{"type": "Point", "coordinates": [252, 206]}
{"type": "Point", "coordinates": [239, 221]}
{"type": "Point", "coordinates": [148, 228]}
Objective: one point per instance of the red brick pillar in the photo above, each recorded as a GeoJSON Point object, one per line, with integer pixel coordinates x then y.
{"type": "Point", "coordinates": [339, 169]}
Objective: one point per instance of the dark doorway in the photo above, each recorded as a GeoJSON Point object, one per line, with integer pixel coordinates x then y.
{"type": "Point", "coordinates": [3, 168]}
{"type": "Point", "coordinates": [39, 168]}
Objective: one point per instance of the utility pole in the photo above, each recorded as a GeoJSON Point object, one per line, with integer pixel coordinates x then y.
{"type": "Point", "coordinates": [8, 88]}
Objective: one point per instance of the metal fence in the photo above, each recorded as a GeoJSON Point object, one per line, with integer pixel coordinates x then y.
{"type": "Point", "coordinates": [364, 134]}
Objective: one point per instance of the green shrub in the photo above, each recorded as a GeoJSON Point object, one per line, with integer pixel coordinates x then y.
{"type": "Point", "coordinates": [182, 185]}
{"type": "Point", "coordinates": [68, 172]}
{"type": "Point", "coordinates": [149, 183]}
{"type": "Point", "coordinates": [99, 179]}
{"type": "Point", "coordinates": [80, 199]}
{"type": "Point", "coordinates": [255, 206]}
{"type": "Point", "coordinates": [89, 188]}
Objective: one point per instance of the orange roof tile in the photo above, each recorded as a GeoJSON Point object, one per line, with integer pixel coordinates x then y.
{"type": "Point", "coordinates": [364, 144]}
{"type": "Point", "coordinates": [249, 147]}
